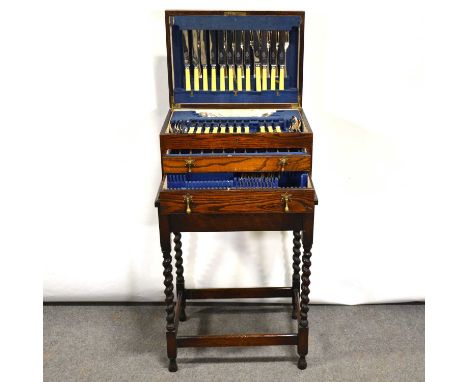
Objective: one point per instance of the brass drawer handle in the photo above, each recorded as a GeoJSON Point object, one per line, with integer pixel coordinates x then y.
{"type": "Point", "coordinates": [283, 162]}
{"type": "Point", "coordinates": [189, 163]}
{"type": "Point", "coordinates": [286, 198]}
{"type": "Point", "coordinates": [187, 200]}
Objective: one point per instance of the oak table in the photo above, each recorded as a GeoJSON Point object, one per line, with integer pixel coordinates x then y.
{"type": "Point", "coordinates": [302, 225]}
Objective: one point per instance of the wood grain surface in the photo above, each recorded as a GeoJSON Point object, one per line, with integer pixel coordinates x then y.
{"type": "Point", "coordinates": [236, 201]}
{"type": "Point", "coordinates": [235, 141]}
{"type": "Point", "coordinates": [237, 163]}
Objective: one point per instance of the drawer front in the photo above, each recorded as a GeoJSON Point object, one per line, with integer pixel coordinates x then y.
{"type": "Point", "coordinates": [233, 141]}
{"type": "Point", "coordinates": [237, 163]}
{"type": "Point", "coordinates": [236, 201]}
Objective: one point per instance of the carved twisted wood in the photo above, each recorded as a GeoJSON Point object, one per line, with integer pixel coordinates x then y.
{"type": "Point", "coordinates": [180, 282]}
{"type": "Point", "coordinates": [296, 278]}
{"type": "Point", "coordinates": [305, 287]}
{"type": "Point", "coordinates": [296, 259]}
{"type": "Point", "coordinates": [169, 289]}
{"type": "Point", "coordinates": [179, 261]}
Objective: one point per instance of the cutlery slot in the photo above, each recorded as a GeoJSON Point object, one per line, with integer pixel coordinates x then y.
{"type": "Point", "coordinates": [196, 123]}
{"type": "Point", "coordinates": [234, 152]}
{"type": "Point", "coordinates": [231, 180]}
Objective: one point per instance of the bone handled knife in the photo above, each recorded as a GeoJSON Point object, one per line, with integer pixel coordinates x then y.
{"type": "Point", "coordinates": [264, 59]}
{"type": "Point", "coordinates": [286, 45]}
{"type": "Point", "coordinates": [256, 50]}
{"type": "Point", "coordinates": [247, 59]}
{"type": "Point", "coordinates": [283, 36]}
{"type": "Point", "coordinates": [185, 49]}
{"type": "Point", "coordinates": [230, 57]}
{"type": "Point", "coordinates": [222, 59]}
{"type": "Point", "coordinates": [212, 36]}
{"type": "Point", "coordinates": [203, 58]}
{"type": "Point", "coordinates": [273, 58]}
{"type": "Point", "coordinates": [239, 58]}
{"type": "Point", "coordinates": [195, 61]}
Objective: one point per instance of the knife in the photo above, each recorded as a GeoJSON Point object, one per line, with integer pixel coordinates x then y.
{"type": "Point", "coordinates": [264, 59]}
{"type": "Point", "coordinates": [185, 48]}
{"type": "Point", "coordinates": [286, 45]}
{"type": "Point", "coordinates": [256, 50]}
{"type": "Point", "coordinates": [247, 59]}
{"type": "Point", "coordinates": [230, 57]}
{"type": "Point", "coordinates": [239, 58]}
{"type": "Point", "coordinates": [203, 58]}
{"type": "Point", "coordinates": [273, 57]}
{"type": "Point", "coordinates": [195, 62]}
{"type": "Point", "coordinates": [282, 57]}
{"type": "Point", "coordinates": [212, 36]}
{"type": "Point", "coordinates": [221, 59]}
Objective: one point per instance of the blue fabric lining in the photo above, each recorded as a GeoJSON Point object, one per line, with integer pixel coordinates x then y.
{"type": "Point", "coordinates": [214, 22]}
{"type": "Point", "coordinates": [224, 180]}
{"type": "Point", "coordinates": [234, 152]}
{"type": "Point", "coordinates": [184, 115]}
{"type": "Point", "coordinates": [181, 96]}
{"type": "Point", "coordinates": [268, 96]}
{"type": "Point", "coordinates": [278, 118]}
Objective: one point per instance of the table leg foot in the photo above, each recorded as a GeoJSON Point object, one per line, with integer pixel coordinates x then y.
{"type": "Point", "coordinates": [183, 316]}
{"type": "Point", "coordinates": [172, 365]}
{"type": "Point", "coordinates": [302, 363]}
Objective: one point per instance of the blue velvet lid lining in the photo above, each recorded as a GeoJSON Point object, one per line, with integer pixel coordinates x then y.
{"type": "Point", "coordinates": [251, 22]}
{"type": "Point", "coordinates": [216, 22]}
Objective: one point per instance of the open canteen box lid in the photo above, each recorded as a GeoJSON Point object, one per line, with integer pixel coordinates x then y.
{"type": "Point", "coordinates": [234, 59]}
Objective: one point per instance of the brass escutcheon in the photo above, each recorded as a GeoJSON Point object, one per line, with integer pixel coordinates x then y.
{"type": "Point", "coordinates": [283, 162]}
{"type": "Point", "coordinates": [187, 200]}
{"type": "Point", "coordinates": [286, 198]}
{"type": "Point", "coordinates": [189, 163]}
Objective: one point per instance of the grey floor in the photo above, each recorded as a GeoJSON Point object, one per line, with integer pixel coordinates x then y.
{"type": "Point", "coordinates": [127, 343]}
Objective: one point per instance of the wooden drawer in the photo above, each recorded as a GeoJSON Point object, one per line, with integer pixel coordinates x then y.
{"type": "Point", "coordinates": [228, 141]}
{"type": "Point", "coordinates": [237, 163]}
{"type": "Point", "coordinates": [239, 200]}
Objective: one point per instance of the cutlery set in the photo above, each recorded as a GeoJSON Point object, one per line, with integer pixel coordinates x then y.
{"type": "Point", "coordinates": [213, 126]}
{"type": "Point", "coordinates": [241, 58]}
{"type": "Point", "coordinates": [236, 180]}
